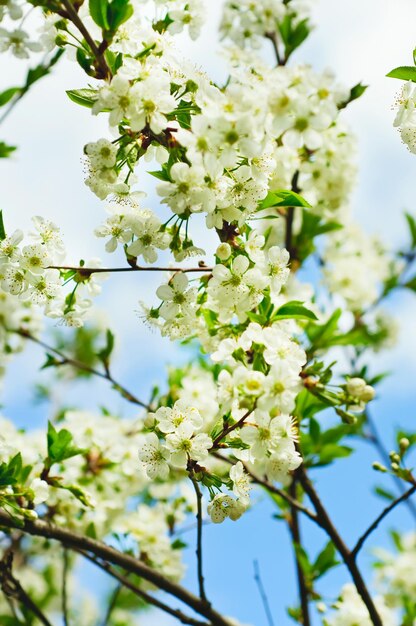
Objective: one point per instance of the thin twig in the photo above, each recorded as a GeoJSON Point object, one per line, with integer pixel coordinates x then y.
{"type": "Point", "coordinates": [230, 428]}
{"type": "Point", "coordinates": [325, 522]}
{"type": "Point", "coordinates": [377, 521]}
{"type": "Point", "coordinates": [262, 593]}
{"type": "Point", "coordinates": [294, 529]}
{"type": "Point", "coordinates": [87, 271]}
{"type": "Point", "coordinates": [198, 493]}
{"type": "Point", "coordinates": [131, 564]}
{"type": "Point", "coordinates": [67, 360]}
{"type": "Point", "coordinates": [125, 582]}
{"type": "Point", "coordinates": [375, 439]}
{"type": "Point", "coordinates": [273, 38]}
{"type": "Point", "coordinates": [65, 570]}
{"type": "Point", "coordinates": [272, 489]}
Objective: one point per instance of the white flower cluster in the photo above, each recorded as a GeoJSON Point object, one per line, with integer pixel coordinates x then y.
{"type": "Point", "coordinates": [396, 573]}
{"type": "Point", "coordinates": [27, 273]}
{"type": "Point", "coordinates": [347, 252]}
{"type": "Point", "coordinates": [247, 22]}
{"type": "Point", "coordinates": [94, 486]}
{"type": "Point", "coordinates": [351, 610]}
{"type": "Point", "coordinates": [405, 119]}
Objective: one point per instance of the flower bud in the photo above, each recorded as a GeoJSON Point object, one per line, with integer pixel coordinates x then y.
{"type": "Point", "coordinates": [223, 251]}
{"type": "Point", "coordinates": [379, 467]}
{"type": "Point", "coordinates": [404, 443]}
{"type": "Point", "coordinates": [149, 420]}
{"type": "Point", "coordinates": [368, 394]}
{"type": "Point", "coordinates": [356, 387]}
{"type": "Point", "coordinates": [395, 467]}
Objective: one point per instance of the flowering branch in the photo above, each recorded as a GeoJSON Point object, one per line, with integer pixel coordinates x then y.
{"type": "Point", "coordinates": [77, 542]}
{"type": "Point", "coordinates": [125, 582]}
{"type": "Point", "coordinates": [12, 588]}
{"type": "Point", "coordinates": [347, 556]}
{"type": "Point", "coordinates": [383, 514]}
{"type": "Point", "coordinates": [198, 494]}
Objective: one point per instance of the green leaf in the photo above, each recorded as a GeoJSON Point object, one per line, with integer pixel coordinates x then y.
{"type": "Point", "coordinates": [2, 229]}
{"type": "Point", "coordinates": [294, 310]}
{"type": "Point", "coordinates": [118, 12]}
{"type": "Point", "coordinates": [84, 97]}
{"type": "Point", "coordinates": [283, 198]}
{"type": "Point", "coordinates": [7, 95]}
{"type": "Point", "coordinates": [325, 560]}
{"type": "Point", "coordinates": [411, 284]}
{"type": "Point", "coordinates": [98, 11]}
{"type": "Point", "coordinates": [412, 227]}
{"type": "Point", "coordinates": [60, 445]}
{"type": "Point", "coordinates": [6, 150]}
{"type": "Point", "coordinates": [355, 93]}
{"type": "Point", "coordinates": [105, 353]}
{"type": "Point", "coordinates": [383, 493]}
{"type": "Point", "coordinates": [404, 72]}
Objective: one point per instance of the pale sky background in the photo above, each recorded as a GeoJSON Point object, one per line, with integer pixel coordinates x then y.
{"type": "Point", "coordinates": [361, 40]}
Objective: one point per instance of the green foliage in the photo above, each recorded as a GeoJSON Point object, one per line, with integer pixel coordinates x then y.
{"type": "Point", "coordinates": [60, 445]}
{"type": "Point", "coordinates": [283, 198]}
{"type": "Point", "coordinates": [84, 97]}
{"type": "Point", "coordinates": [293, 33]}
{"type": "Point", "coordinates": [404, 72]}
{"type": "Point", "coordinates": [13, 472]}
{"type": "Point", "coordinates": [6, 150]}
{"type": "Point", "coordinates": [2, 229]}
{"type": "Point", "coordinates": [355, 93]}
{"type": "Point", "coordinates": [110, 15]}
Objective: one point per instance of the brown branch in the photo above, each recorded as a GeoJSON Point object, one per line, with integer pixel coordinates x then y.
{"type": "Point", "coordinates": [377, 521]}
{"type": "Point", "coordinates": [12, 589]}
{"type": "Point", "coordinates": [273, 38]}
{"type": "Point", "coordinates": [272, 489]}
{"type": "Point", "coordinates": [77, 542]}
{"type": "Point", "coordinates": [86, 272]}
{"type": "Point", "coordinates": [326, 523]}
{"type": "Point", "coordinates": [125, 582]}
{"type": "Point", "coordinates": [102, 67]}
{"type": "Point", "coordinates": [230, 428]}
{"type": "Point", "coordinates": [294, 529]}
{"type": "Point", "coordinates": [66, 360]}
{"type": "Point", "coordinates": [198, 550]}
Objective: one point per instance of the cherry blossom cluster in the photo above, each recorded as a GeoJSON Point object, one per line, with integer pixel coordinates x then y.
{"type": "Point", "coordinates": [405, 119]}
{"type": "Point", "coordinates": [30, 272]}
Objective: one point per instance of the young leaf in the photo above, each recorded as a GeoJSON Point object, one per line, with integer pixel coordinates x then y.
{"type": "Point", "coordinates": [411, 221]}
{"type": "Point", "coordinates": [6, 150]}
{"type": "Point", "coordinates": [404, 72]}
{"type": "Point", "coordinates": [7, 95]}
{"type": "Point", "coordinates": [84, 97]}
{"type": "Point", "coordinates": [98, 11]}
{"type": "Point", "coordinates": [294, 310]}
{"type": "Point", "coordinates": [2, 229]}
{"type": "Point", "coordinates": [283, 198]}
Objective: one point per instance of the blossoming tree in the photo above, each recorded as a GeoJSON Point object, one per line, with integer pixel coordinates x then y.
{"type": "Point", "coordinates": [267, 162]}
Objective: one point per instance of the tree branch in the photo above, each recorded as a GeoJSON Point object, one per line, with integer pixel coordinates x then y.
{"type": "Point", "coordinates": [326, 523]}
{"type": "Point", "coordinates": [12, 588]}
{"type": "Point", "coordinates": [77, 542]}
{"type": "Point", "coordinates": [263, 594]}
{"type": "Point", "coordinates": [198, 494]}
{"type": "Point", "coordinates": [377, 521]}
{"type": "Point", "coordinates": [230, 428]}
{"type": "Point", "coordinates": [269, 487]}
{"type": "Point", "coordinates": [66, 360]}
{"type": "Point", "coordinates": [102, 67]}
{"type": "Point", "coordinates": [125, 582]}
{"type": "Point", "coordinates": [294, 528]}
{"type": "Point", "coordinates": [86, 272]}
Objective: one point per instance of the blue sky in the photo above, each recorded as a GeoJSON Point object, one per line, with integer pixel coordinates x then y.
{"type": "Point", "coordinates": [360, 42]}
